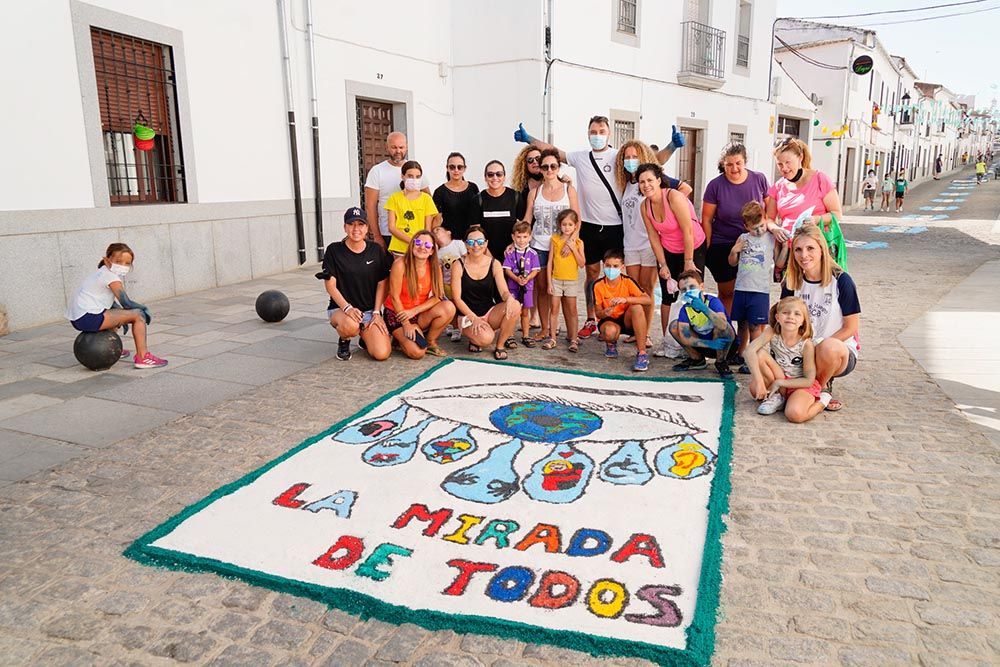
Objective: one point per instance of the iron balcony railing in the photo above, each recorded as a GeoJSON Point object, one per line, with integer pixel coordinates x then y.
{"type": "Point", "coordinates": [626, 16]}
{"type": "Point", "coordinates": [703, 49]}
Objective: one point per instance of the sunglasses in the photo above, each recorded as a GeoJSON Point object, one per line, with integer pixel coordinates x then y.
{"type": "Point", "coordinates": [417, 243]}
{"type": "Point", "coordinates": [456, 167]}
{"type": "Point", "coordinates": [549, 167]}
{"type": "Point", "coordinates": [494, 174]}
{"type": "Point", "coordinates": [475, 242]}
{"type": "Point", "coordinates": [532, 160]}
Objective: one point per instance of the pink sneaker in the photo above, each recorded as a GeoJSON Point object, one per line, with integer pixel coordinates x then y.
{"type": "Point", "coordinates": [149, 361]}
{"type": "Point", "coordinates": [126, 353]}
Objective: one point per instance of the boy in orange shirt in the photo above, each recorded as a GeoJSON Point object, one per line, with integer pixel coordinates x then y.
{"type": "Point", "coordinates": [618, 301]}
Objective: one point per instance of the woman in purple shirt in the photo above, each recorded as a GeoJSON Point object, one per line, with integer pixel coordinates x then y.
{"type": "Point", "coordinates": [724, 198]}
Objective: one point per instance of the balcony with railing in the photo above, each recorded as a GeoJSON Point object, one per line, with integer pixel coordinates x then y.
{"type": "Point", "coordinates": [703, 52]}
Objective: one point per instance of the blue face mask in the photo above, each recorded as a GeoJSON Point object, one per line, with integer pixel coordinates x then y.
{"type": "Point", "coordinates": [598, 141]}
{"type": "Point", "coordinates": [631, 165]}
{"type": "Point", "coordinates": [692, 294]}
{"type": "Point", "coordinates": [612, 273]}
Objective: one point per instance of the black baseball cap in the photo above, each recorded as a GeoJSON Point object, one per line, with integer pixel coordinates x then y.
{"type": "Point", "coordinates": [355, 213]}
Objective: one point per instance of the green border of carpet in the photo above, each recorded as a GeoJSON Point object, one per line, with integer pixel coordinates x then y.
{"type": "Point", "coordinates": [700, 634]}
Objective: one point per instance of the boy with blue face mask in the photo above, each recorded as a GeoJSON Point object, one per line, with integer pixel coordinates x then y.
{"type": "Point", "coordinates": [619, 302]}
{"type": "Point", "coordinates": [702, 327]}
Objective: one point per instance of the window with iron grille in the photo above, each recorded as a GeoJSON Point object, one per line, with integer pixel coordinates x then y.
{"type": "Point", "coordinates": [737, 137]}
{"type": "Point", "coordinates": [627, 16]}
{"type": "Point", "coordinates": [136, 86]}
{"type": "Point", "coordinates": [788, 126]}
{"type": "Point", "coordinates": [624, 131]}
{"type": "Point", "coordinates": [743, 36]}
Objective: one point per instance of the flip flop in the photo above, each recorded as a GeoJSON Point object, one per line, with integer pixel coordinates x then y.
{"type": "Point", "coordinates": [436, 351]}
{"type": "Point", "coordinates": [500, 354]}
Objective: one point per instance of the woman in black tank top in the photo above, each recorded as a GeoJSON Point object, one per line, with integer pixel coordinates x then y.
{"type": "Point", "coordinates": [480, 293]}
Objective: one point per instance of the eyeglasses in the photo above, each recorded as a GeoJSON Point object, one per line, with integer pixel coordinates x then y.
{"type": "Point", "coordinates": [549, 167]}
{"type": "Point", "coordinates": [456, 167]}
{"type": "Point", "coordinates": [417, 243]}
{"type": "Point", "coordinates": [532, 160]}
{"type": "Point", "coordinates": [494, 174]}
{"type": "Point", "coordinates": [475, 242]}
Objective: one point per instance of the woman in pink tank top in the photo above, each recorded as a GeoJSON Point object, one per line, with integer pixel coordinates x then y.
{"type": "Point", "coordinates": [677, 240]}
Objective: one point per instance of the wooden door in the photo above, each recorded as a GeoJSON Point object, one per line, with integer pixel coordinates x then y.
{"type": "Point", "coordinates": [374, 124]}
{"type": "Point", "coordinates": [687, 159]}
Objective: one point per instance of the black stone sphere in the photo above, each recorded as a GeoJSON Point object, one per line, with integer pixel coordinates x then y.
{"type": "Point", "coordinates": [272, 306]}
{"type": "Point", "coordinates": [98, 350]}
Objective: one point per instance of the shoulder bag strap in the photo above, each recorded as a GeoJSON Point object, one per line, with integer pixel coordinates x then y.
{"type": "Point", "coordinates": [611, 191]}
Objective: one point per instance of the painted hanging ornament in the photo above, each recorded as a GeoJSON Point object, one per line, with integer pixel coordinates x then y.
{"type": "Point", "coordinates": [143, 136]}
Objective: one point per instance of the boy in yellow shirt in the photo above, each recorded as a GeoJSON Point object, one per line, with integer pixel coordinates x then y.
{"type": "Point", "coordinates": [618, 302]}
{"type": "Point", "coordinates": [566, 258]}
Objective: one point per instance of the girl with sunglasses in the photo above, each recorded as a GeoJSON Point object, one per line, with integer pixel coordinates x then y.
{"type": "Point", "coordinates": [457, 199]}
{"type": "Point", "coordinates": [415, 311]}
{"type": "Point", "coordinates": [544, 205]}
{"type": "Point", "coordinates": [479, 290]}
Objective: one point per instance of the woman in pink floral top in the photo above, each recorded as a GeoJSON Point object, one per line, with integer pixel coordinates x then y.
{"type": "Point", "coordinates": [800, 189]}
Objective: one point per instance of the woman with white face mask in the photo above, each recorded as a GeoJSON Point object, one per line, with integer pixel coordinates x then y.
{"type": "Point", "coordinates": [640, 262]}
{"type": "Point", "coordinates": [410, 209]}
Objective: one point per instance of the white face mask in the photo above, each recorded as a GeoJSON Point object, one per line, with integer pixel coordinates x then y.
{"type": "Point", "coordinates": [411, 184]}
{"type": "Point", "coordinates": [120, 270]}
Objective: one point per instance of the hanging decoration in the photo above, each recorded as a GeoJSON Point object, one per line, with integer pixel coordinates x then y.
{"type": "Point", "coordinates": [142, 135]}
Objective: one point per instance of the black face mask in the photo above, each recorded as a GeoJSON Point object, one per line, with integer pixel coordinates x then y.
{"type": "Point", "coordinates": [535, 177]}
{"type": "Point", "coordinates": [798, 175]}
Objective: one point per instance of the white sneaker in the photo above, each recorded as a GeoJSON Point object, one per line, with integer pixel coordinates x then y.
{"type": "Point", "coordinates": [661, 349]}
{"type": "Point", "coordinates": [668, 347]}
{"type": "Point", "coordinates": [771, 404]}
{"type": "Point", "coordinates": [456, 335]}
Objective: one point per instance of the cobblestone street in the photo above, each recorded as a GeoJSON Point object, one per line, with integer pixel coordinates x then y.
{"type": "Point", "coordinates": [870, 536]}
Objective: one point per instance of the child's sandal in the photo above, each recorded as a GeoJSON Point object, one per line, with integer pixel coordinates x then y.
{"type": "Point", "coordinates": [500, 354]}
{"type": "Point", "coordinates": [528, 342]}
{"type": "Point", "coordinates": [548, 344]}
{"type": "Point", "coordinates": [574, 346]}
{"type": "Point", "coordinates": [510, 344]}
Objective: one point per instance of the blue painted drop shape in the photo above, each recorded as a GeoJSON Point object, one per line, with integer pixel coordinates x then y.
{"type": "Point", "coordinates": [395, 449]}
{"type": "Point", "coordinates": [627, 465]}
{"type": "Point", "coordinates": [489, 481]}
{"type": "Point", "coordinates": [560, 477]}
{"type": "Point", "coordinates": [371, 429]}
{"type": "Point", "coordinates": [686, 459]}
{"type": "Point", "coordinates": [451, 447]}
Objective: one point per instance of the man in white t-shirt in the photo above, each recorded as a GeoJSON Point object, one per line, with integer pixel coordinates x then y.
{"type": "Point", "coordinates": [600, 199]}
{"type": "Point", "coordinates": [383, 180]}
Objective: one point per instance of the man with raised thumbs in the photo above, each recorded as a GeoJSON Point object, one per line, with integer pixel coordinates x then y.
{"type": "Point", "coordinates": [600, 198]}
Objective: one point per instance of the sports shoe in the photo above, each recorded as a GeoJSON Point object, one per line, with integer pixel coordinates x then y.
{"type": "Point", "coordinates": [611, 351]}
{"type": "Point", "coordinates": [771, 404]}
{"type": "Point", "coordinates": [725, 372]}
{"type": "Point", "coordinates": [126, 353]}
{"type": "Point", "coordinates": [691, 365]}
{"type": "Point", "coordinates": [344, 349]}
{"type": "Point", "coordinates": [455, 336]}
{"type": "Point", "coordinates": [148, 361]}
{"type": "Point", "coordinates": [641, 362]}
{"type": "Point", "coordinates": [589, 327]}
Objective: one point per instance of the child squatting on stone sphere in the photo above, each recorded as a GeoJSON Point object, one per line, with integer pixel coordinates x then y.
{"type": "Point", "coordinates": [93, 307]}
{"type": "Point", "coordinates": [782, 364]}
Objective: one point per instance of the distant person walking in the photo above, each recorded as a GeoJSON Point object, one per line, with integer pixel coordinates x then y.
{"type": "Point", "coordinates": [902, 185]}
{"type": "Point", "coordinates": [868, 187]}
{"type": "Point", "coordinates": [980, 170]}
{"type": "Point", "coordinates": [887, 187]}
{"type": "Point", "coordinates": [938, 167]}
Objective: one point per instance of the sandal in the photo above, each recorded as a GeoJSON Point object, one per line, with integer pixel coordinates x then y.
{"type": "Point", "coordinates": [528, 342]}
{"type": "Point", "coordinates": [475, 349]}
{"type": "Point", "coordinates": [834, 405]}
{"type": "Point", "coordinates": [548, 344]}
{"type": "Point", "coordinates": [574, 346]}
{"type": "Point", "coordinates": [630, 339]}
{"type": "Point", "coordinates": [500, 354]}
{"type": "Point", "coordinates": [436, 351]}
{"type": "Point", "coordinates": [510, 344]}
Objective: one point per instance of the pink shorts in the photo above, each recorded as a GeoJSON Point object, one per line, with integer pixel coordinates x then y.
{"type": "Point", "coordinates": [813, 390]}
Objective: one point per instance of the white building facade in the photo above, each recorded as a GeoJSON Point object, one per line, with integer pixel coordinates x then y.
{"type": "Point", "coordinates": [214, 202]}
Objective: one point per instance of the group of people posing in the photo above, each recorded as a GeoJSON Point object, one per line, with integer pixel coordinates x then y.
{"type": "Point", "coordinates": [480, 262]}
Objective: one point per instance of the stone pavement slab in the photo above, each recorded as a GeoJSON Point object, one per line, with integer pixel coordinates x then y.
{"type": "Point", "coordinates": [21, 454]}
{"type": "Point", "coordinates": [88, 421]}
{"type": "Point", "coordinates": [242, 368]}
{"type": "Point", "coordinates": [293, 349]}
{"type": "Point", "coordinates": [178, 393]}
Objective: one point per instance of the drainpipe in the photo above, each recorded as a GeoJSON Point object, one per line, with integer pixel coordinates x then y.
{"type": "Point", "coordinates": [547, 120]}
{"type": "Point", "coordinates": [292, 141]}
{"type": "Point", "coordinates": [320, 249]}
